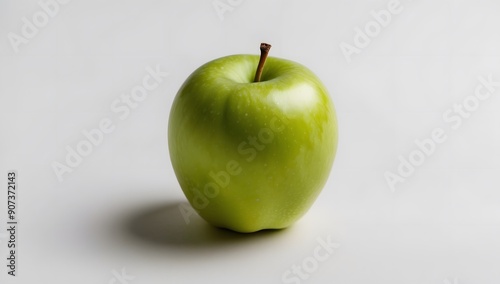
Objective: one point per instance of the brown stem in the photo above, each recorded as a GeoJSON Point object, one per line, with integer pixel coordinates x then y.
{"type": "Point", "coordinates": [264, 51]}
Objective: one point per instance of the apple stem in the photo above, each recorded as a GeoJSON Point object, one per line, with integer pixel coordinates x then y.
{"type": "Point", "coordinates": [264, 51]}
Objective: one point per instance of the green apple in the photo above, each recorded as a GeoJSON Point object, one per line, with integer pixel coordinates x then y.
{"type": "Point", "coordinates": [252, 152]}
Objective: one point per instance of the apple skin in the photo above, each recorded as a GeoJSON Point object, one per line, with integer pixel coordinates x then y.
{"type": "Point", "coordinates": [252, 155]}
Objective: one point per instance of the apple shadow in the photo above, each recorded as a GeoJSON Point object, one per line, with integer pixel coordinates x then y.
{"type": "Point", "coordinates": [165, 225]}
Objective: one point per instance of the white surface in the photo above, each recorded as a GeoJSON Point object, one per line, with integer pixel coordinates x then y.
{"type": "Point", "coordinates": [441, 226]}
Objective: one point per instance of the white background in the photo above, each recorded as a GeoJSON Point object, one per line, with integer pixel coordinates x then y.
{"type": "Point", "coordinates": [118, 210]}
